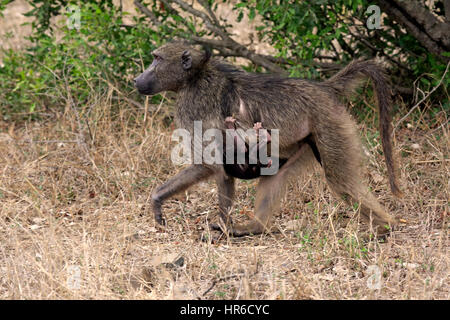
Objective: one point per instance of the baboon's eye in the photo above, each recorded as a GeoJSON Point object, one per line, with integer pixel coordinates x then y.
{"type": "Point", "coordinates": [157, 57]}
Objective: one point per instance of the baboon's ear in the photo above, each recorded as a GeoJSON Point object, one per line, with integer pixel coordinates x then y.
{"type": "Point", "coordinates": [186, 60]}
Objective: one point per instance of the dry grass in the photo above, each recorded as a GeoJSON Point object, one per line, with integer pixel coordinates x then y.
{"type": "Point", "coordinates": [71, 200]}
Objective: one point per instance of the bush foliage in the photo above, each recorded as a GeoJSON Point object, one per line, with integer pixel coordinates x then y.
{"type": "Point", "coordinates": [63, 64]}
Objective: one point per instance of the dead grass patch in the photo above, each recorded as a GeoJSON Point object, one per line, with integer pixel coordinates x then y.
{"type": "Point", "coordinates": [74, 222]}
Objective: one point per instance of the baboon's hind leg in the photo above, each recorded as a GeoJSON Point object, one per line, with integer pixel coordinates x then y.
{"type": "Point", "coordinates": [269, 193]}
{"type": "Point", "coordinates": [341, 154]}
{"type": "Point", "coordinates": [225, 189]}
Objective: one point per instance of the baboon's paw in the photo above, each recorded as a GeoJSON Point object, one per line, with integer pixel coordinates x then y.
{"type": "Point", "coordinates": [381, 234]}
{"type": "Point", "coordinates": [215, 227]}
{"type": "Point", "coordinates": [222, 228]}
{"type": "Point", "coordinates": [232, 231]}
{"type": "Point", "coordinates": [212, 236]}
{"type": "Point", "coordinates": [160, 220]}
{"type": "Point", "coordinates": [230, 123]}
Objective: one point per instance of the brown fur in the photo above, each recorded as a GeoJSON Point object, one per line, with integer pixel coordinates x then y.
{"type": "Point", "coordinates": [308, 114]}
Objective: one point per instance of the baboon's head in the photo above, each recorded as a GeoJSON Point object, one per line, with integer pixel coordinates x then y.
{"type": "Point", "coordinates": [174, 64]}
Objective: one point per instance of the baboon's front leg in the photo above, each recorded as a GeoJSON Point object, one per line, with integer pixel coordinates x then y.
{"type": "Point", "coordinates": [176, 184]}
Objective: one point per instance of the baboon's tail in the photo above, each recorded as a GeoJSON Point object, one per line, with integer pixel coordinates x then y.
{"type": "Point", "coordinates": [347, 80]}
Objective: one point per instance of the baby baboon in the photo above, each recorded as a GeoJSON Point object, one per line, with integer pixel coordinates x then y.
{"type": "Point", "coordinates": [246, 170]}
{"type": "Point", "coordinates": [311, 120]}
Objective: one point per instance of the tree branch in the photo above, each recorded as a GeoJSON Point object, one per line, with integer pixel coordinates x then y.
{"type": "Point", "coordinates": [397, 10]}
{"type": "Point", "coordinates": [367, 43]}
{"type": "Point", "coordinates": [447, 10]}
{"type": "Point", "coordinates": [147, 12]}
{"type": "Point", "coordinates": [435, 29]}
{"type": "Point", "coordinates": [213, 25]}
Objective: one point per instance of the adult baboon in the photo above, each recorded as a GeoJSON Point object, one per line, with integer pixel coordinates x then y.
{"type": "Point", "coordinates": [309, 116]}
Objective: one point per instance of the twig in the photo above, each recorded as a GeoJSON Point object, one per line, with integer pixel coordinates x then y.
{"type": "Point", "coordinates": [147, 12]}
{"type": "Point", "coordinates": [50, 141]}
{"type": "Point", "coordinates": [213, 284]}
{"type": "Point", "coordinates": [131, 101]}
{"type": "Point", "coordinates": [212, 24]}
{"type": "Point", "coordinates": [207, 7]}
{"type": "Point", "coordinates": [366, 42]}
{"type": "Point", "coordinates": [438, 128]}
{"type": "Point", "coordinates": [423, 99]}
{"type": "Point", "coordinates": [432, 161]}
{"type": "Point", "coordinates": [217, 29]}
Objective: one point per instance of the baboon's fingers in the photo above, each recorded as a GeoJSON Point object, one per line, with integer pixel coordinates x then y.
{"type": "Point", "coordinates": [252, 228]}
{"type": "Point", "coordinates": [160, 220]}
{"type": "Point", "coordinates": [236, 230]}
{"type": "Point", "coordinates": [212, 237]}
{"type": "Point", "coordinates": [157, 213]}
{"type": "Point", "coordinates": [221, 227]}
{"type": "Point", "coordinates": [230, 123]}
{"type": "Point", "coordinates": [215, 227]}
{"type": "Point", "coordinates": [257, 126]}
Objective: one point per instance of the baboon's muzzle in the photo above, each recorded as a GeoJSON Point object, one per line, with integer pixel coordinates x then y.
{"type": "Point", "coordinates": [145, 83]}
